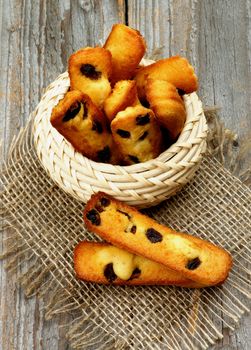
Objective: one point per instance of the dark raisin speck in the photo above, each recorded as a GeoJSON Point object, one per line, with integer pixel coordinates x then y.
{"type": "Point", "coordinates": [99, 208]}
{"type": "Point", "coordinates": [105, 202]}
{"type": "Point", "coordinates": [142, 119]}
{"type": "Point", "coordinates": [123, 133]}
{"type": "Point", "coordinates": [134, 159]}
{"type": "Point", "coordinates": [145, 103]}
{"type": "Point", "coordinates": [72, 112]}
{"type": "Point", "coordinates": [142, 137]}
{"type": "Point", "coordinates": [193, 264]}
{"type": "Point", "coordinates": [135, 274]}
{"type": "Point", "coordinates": [94, 217]}
{"type": "Point", "coordinates": [90, 71]}
{"type": "Point", "coordinates": [153, 235]}
{"type": "Point", "coordinates": [97, 126]}
{"type": "Point", "coordinates": [109, 273]}
{"type": "Point", "coordinates": [104, 155]}
{"type": "Point", "coordinates": [124, 213]}
{"type": "Point", "coordinates": [181, 92]}
{"type": "Point", "coordinates": [133, 229]}
{"type": "Point", "coordinates": [85, 112]}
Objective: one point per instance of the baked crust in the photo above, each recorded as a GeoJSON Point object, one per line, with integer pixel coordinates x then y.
{"type": "Point", "coordinates": [196, 259]}
{"type": "Point", "coordinates": [89, 71]}
{"type": "Point", "coordinates": [124, 94]}
{"type": "Point", "coordinates": [137, 134]}
{"type": "Point", "coordinates": [80, 121]}
{"type": "Point", "coordinates": [176, 70]}
{"type": "Point", "coordinates": [167, 105]}
{"type": "Point", "coordinates": [127, 47]}
{"type": "Point", "coordinates": [97, 262]}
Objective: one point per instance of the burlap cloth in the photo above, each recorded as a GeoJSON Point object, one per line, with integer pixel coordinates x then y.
{"type": "Point", "coordinates": [44, 225]}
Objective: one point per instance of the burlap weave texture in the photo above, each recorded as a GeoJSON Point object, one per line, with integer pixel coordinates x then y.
{"type": "Point", "coordinates": [45, 224]}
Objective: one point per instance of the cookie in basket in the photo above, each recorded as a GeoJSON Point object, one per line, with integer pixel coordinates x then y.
{"type": "Point", "coordinates": [124, 94]}
{"type": "Point", "coordinates": [79, 120]}
{"type": "Point", "coordinates": [137, 134]}
{"type": "Point", "coordinates": [89, 71]}
{"type": "Point", "coordinates": [127, 47]}
{"type": "Point", "coordinates": [176, 70]}
{"type": "Point", "coordinates": [106, 264]}
{"type": "Point", "coordinates": [168, 106]}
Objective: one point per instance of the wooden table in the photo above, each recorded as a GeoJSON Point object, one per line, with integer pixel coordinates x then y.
{"type": "Point", "coordinates": [36, 38]}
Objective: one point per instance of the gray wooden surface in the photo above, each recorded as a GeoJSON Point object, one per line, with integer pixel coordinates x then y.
{"type": "Point", "coordinates": [37, 36]}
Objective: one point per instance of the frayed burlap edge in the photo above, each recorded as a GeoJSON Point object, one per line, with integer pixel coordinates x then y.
{"type": "Point", "coordinates": [42, 279]}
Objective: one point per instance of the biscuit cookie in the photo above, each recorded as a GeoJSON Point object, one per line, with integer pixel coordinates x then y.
{"type": "Point", "coordinates": [137, 134]}
{"type": "Point", "coordinates": [176, 70]}
{"type": "Point", "coordinates": [79, 120]}
{"type": "Point", "coordinates": [127, 228]}
{"type": "Point", "coordinates": [89, 71]}
{"type": "Point", "coordinates": [127, 47]}
{"type": "Point", "coordinates": [124, 94]}
{"type": "Point", "coordinates": [106, 264]}
{"type": "Point", "coordinates": [167, 105]}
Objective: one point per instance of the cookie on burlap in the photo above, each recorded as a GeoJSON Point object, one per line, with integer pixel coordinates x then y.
{"type": "Point", "coordinates": [127, 47]}
{"type": "Point", "coordinates": [124, 94]}
{"type": "Point", "coordinates": [168, 106]}
{"type": "Point", "coordinates": [197, 259]}
{"type": "Point", "coordinates": [137, 134]}
{"type": "Point", "coordinates": [104, 263]}
{"type": "Point", "coordinates": [176, 70]}
{"type": "Point", "coordinates": [89, 71]}
{"type": "Point", "coordinates": [80, 121]}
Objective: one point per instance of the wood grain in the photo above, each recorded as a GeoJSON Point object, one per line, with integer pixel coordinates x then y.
{"type": "Point", "coordinates": [36, 38]}
{"type": "Point", "coordinates": [216, 37]}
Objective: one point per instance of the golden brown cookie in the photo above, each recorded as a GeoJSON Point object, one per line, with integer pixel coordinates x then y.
{"type": "Point", "coordinates": [79, 120]}
{"type": "Point", "coordinates": [127, 47]}
{"type": "Point", "coordinates": [124, 94]}
{"type": "Point", "coordinates": [137, 134]}
{"type": "Point", "coordinates": [127, 228]}
{"type": "Point", "coordinates": [168, 106]}
{"type": "Point", "coordinates": [89, 71]}
{"type": "Point", "coordinates": [106, 264]}
{"type": "Point", "coordinates": [176, 70]}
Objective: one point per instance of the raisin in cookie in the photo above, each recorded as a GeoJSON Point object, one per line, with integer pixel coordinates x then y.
{"type": "Point", "coordinates": [137, 134]}
{"type": "Point", "coordinates": [167, 105]}
{"type": "Point", "coordinates": [124, 94]}
{"type": "Point", "coordinates": [79, 120]}
{"type": "Point", "coordinates": [127, 47]}
{"type": "Point", "coordinates": [106, 264]}
{"type": "Point", "coordinates": [89, 71]}
{"type": "Point", "coordinates": [176, 70]}
{"type": "Point", "coordinates": [127, 228]}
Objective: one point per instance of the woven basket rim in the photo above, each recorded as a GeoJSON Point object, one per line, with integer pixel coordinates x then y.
{"type": "Point", "coordinates": [73, 172]}
{"type": "Point", "coordinates": [145, 164]}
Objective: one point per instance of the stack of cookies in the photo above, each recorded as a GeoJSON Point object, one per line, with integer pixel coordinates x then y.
{"type": "Point", "coordinates": [117, 111]}
{"type": "Point", "coordinates": [144, 252]}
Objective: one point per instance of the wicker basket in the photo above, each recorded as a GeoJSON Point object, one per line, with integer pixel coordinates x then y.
{"type": "Point", "coordinates": [142, 185]}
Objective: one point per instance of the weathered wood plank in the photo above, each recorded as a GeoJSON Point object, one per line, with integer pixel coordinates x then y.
{"type": "Point", "coordinates": [152, 19]}
{"type": "Point", "coordinates": [36, 38]}
{"type": "Point", "coordinates": [223, 51]}
{"type": "Point", "coordinates": [216, 37]}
